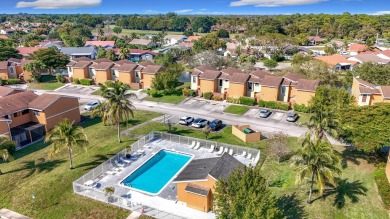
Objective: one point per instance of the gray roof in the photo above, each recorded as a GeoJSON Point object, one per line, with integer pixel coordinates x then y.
{"type": "Point", "coordinates": [77, 50]}
{"type": "Point", "coordinates": [217, 167]}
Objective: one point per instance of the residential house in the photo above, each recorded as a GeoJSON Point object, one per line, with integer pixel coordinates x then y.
{"type": "Point", "coordinates": [103, 44]}
{"type": "Point", "coordinates": [314, 40]}
{"type": "Point", "coordinates": [385, 54]}
{"type": "Point", "coordinates": [356, 48]}
{"type": "Point", "coordinates": [77, 52]}
{"type": "Point", "coordinates": [142, 42]}
{"type": "Point", "coordinates": [6, 31]}
{"type": "Point", "coordinates": [51, 43]}
{"type": "Point", "coordinates": [25, 117]}
{"type": "Point", "coordinates": [27, 51]}
{"type": "Point", "coordinates": [192, 38]}
{"type": "Point", "coordinates": [367, 94]}
{"type": "Point", "coordinates": [5, 91]}
{"type": "Point", "coordinates": [148, 72]}
{"type": "Point", "coordinates": [174, 39]}
{"type": "Point", "coordinates": [197, 182]}
{"type": "Point", "coordinates": [372, 57]}
{"type": "Point", "coordinates": [338, 62]}
{"type": "Point", "coordinates": [104, 71]}
{"type": "Point", "coordinates": [13, 68]}
{"type": "Point", "coordinates": [297, 89]}
{"type": "Point", "coordinates": [137, 55]}
{"type": "Point", "coordinates": [208, 81]}
{"type": "Point", "coordinates": [128, 74]}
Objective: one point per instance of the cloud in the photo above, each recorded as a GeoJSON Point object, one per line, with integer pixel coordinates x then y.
{"type": "Point", "coordinates": [55, 4]}
{"type": "Point", "coordinates": [381, 13]}
{"type": "Point", "coordinates": [203, 9]}
{"type": "Point", "coordinates": [151, 11]}
{"type": "Point", "coordinates": [184, 11]}
{"type": "Point", "coordinates": [273, 3]}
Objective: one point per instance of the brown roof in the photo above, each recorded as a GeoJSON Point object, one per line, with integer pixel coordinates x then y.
{"type": "Point", "coordinates": [124, 61]}
{"type": "Point", "coordinates": [260, 73]}
{"type": "Point", "coordinates": [43, 101]}
{"type": "Point", "coordinates": [152, 69]}
{"type": "Point", "coordinates": [230, 71]}
{"type": "Point", "coordinates": [25, 62]}
{"type": "Point", "coordinates": [356, 47]}
{"type": "Point", "coordinates": [385, 92]}
{"type": "Point", "coordinates": [104, 65]}
{"type": "Point", "coordinates": [140, 42]}
{"type": "Point", "coordinates": [146, 63]}
{"type": "Point", "coordinates": [3, 64]}
{"type": "Point", "coordinates": [239, 78]}
{"type": "Point", "coordinates": [371, 58]}
{"type": "Point", "coordinates": [210, 75]}
{"type": "Point", "coordinates": [292, 76]}
{"type": "Point", "coordinates": [315, 38]}
{"type": "Point", "coordinates": [255, 79]}
{"type": "Point", "coordinates": [15, 60]}
{"type": "Point", "coordinates": [82, 64]}
{"type": "Point", "coordinates": [365, 83]}
{"type": "Point", "coordinates": [16, 102]}
{"type": "Point", "coordinates": [204, 68]}
{"type": "Point", "coordinates": [127, 67]}
{"type": "Point", "coordinates": [365, 90]}
{"type": "Point", "coordinates": [102, 60]}
{"type": "Point", "coordinates": [4, 91]}
{"type": "Point", "coordinates": [81, 59]}
{"type": "Point", "coordinates": [307, 85]}
{"type": "Point", "coordinates": [271, 81]}
{"type": "Point", "coordinates": [225, 76]}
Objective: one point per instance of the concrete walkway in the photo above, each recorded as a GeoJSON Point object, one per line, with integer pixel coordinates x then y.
{"type": "Point", "coordinates": [134, 215]}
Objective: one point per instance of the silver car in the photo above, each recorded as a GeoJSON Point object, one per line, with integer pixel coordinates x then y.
{"type": "Point", "coordinates": [91, 106]}
{"type": "Point", "coordinates": [199, 123]}
{"type": "Point", "coordinates": [292, 117]}
{"type": "Point", "coordinates": [186, 120]}
{"type": "Point", "coordinates": [264, 113]}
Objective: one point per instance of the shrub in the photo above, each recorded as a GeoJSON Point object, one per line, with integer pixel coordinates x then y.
{"type": "Point", "coordinates": [191, 93]}
{"type": "Point", "coordinates": [76, 80]}
{"type": "Point", "coordinates": [217, 98]}
{"type": "Point", "coordinates": [186, 92]}
{"type": "Point", "coordinates": [60, 78]}
{"type": "Point", "coordinates": [232, 100]}
{"type": "Point", "coordinates": [301, 108]}
{"type": "Point", "coordinates": [154, 93]}
{"type": "Point", "coordinates": [86, 81]}
{"type": "Point", "coordinates": [383, 186]}
{"type": "Point", "coordinates": [273, 105]}
{"type": "Point", "coordinates": [208, 95]}
{"type": "Point", "coordinates": [247, 101]}
{"type": "Point", "coordinates": [13, 81]}
{"type": "Point", "coordinates": [10, 148]}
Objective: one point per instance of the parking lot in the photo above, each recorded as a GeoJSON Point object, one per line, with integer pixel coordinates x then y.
{"type": "Point", "coordinates": [211, 106]}
{"type": "Point", "coordinates": [276, 116]}
{"type": "Point", "coordinates": [78, 89]}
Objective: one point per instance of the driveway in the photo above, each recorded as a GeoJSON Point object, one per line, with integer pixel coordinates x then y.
{"type": "Point", "coordinates": [77, 89]}
{"type": "Point", "coordinates": [207, 105]}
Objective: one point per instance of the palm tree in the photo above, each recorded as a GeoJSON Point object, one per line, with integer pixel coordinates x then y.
{"type": "Point", "coordinates": [65, 135]}
{"type": "Point", "coordinates": [102, 110]}
{"type": "Point", "coordinates": [317, 160]}
{"type": "Point", "coordinates": [4, 152]}
{"type": "Point", "coordinates": [123, 53]}
{"type": "Point", "coordinates": [35, 67]}
{"type": "Point", "coordinates": [119, 107]}
{"type": "Point", "coordinates": [323, 121]}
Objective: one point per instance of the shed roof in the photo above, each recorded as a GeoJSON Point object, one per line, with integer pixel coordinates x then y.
{"type": "Point", "coordinates": [210, 75]}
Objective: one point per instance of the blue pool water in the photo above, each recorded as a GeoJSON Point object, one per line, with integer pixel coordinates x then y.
{"type": "Point", "coordinates": [153, 175]}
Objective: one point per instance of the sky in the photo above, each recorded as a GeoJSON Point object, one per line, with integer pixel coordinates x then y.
{"type": "Point", "coordinates": [212, 7]}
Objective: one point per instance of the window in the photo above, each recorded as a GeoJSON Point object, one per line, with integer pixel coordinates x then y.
{"type": "Point", "coordinates": [16, 114]}
{"type": "Point", "coordinates": [37, 113]}
{"type": "Point", "coordinates": [11, 70]}
{"type": "Point", "coordinates": [364, 98]}
{"type": "Point", "coordinates": [256, 85]}
{"type": "Point", "coordinates": [137, 74]}
{"type": "Point", "coordinates": [283, 92]}
{"type": "Point", "coordinates": [112, 72]}
{"type": "Point", "coordinates": [69, 69]}
{"type": "Point", "coordinates": [220, 83]}
{"type": "Point", "coordinates": [194, 79]}
{"type": "Point", "coordinates": [26, 111]}
{"type": "Point", "coordinates": [249, 86]}
{"type": "Point", "coordinates": [7, 116]}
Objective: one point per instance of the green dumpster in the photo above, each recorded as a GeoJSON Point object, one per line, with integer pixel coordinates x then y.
{"type": "Point", "coordinates": [247, 131]}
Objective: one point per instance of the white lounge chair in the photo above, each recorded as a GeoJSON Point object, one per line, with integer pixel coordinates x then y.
{"type": "Point", "coordinates": [226, 150]}
{"type": "Point", "coordinates": [249, 156]}
{"type": "Point", "coordinates": [111, 172]}
{"type": "Point", "coordinates": [193, 144]}
{"type": "Point", "coordinates": [140, 151]}
{"type": "Point", "coordinates": [119, 164]}
{"type": "Point", "coordinates": [220, 151]}
{"type": "Point", "coordinates": [231, 152]}
{"type": "Point", "coordinates": [243, 154]}
{"type": "Point", "coordinates": [125, 161]}
{"type": "Point", "coordinates": [90, 183]}
{"type": "Point", "coordinates": [211, 149]}
{"type": "Point", "coordinates": [197, 145]}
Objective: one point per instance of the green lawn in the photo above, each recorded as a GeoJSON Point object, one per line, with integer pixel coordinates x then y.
{"type": "Point", "coordinates": [97, 92]}
{"type": "Point", "coordinates": [234, 109]}
{"type": "Point", "coordinates": [304, 117]}
{"type": "Point", "coordinates": [173, 98]}
{"type": "Point", "coordinates": [45, 85]}
{"type": "Point", "coordinates": [50, 179]}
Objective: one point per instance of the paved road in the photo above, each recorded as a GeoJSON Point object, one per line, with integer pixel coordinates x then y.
{"type": "Point", "coordinates": [264, 125]}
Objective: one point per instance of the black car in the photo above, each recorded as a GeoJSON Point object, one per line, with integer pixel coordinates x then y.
{"type": "Point", "coordinates": [215, 124]}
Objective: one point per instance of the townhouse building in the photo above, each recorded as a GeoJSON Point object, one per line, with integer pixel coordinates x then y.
{"type": "Point", "coordinates": [368, 94]}
{"type": "Point", "coordinates": [13, 69]}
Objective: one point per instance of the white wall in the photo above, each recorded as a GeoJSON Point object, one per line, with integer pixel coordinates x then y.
{"type": "Point", "coordinates": [194, 86]}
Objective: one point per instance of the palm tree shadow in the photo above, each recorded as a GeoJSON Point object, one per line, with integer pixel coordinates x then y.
{"type": "Point", "coordinates": [97, 161]}
{"type": "Point", "coordinates": [346, 190]}
{"type": "Point", "coordinates": [292, 206]}
{"type": "Point", "coordinates": [37, 166]}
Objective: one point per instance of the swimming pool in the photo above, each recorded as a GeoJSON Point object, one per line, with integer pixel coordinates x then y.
{"type": "Point", "coordinates": [154, 174]}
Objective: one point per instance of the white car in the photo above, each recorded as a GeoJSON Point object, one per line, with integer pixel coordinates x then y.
{"type": "Point", "coordinates": [186, 120]}
{"type": "Point", "coordinates": [344, 53]}
{"type": "Point", "coordinates": [91, 106]}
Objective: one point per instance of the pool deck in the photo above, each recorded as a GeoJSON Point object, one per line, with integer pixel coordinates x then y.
{"type": "Point", "coordinates": [166, 200]}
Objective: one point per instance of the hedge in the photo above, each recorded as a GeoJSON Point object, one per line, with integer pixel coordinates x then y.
{"type": "Point", "coordinates": [86, 81]}
{"type": "Point", "coordinates": [301, 108]}
{"type": "Point", "coordinates": [247, 101]}
{"type": "Point", "coordinates": [12, 81]}
{"type": "Point", "coordinates": [383, 186]}
{"type": "Point", "coordinates": [208, 95]}
{"type": "Point", "coordinates": [232, 100]}
{"type": "Point", "coordinates": [76, 80]}
{"type": "Point", "coordinates": [273, 105]}
{"type": "Point", "coordinates": [217, 98]}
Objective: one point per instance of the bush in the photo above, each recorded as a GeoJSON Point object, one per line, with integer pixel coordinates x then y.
{"type": "Point", "coordinates": [247, 101]}
{"type": "Point", "coordinates": [191, 93]}
{"type": "Point", "coordinates": [383, 186]}
{"type": "Point", "coordinates": [10, 148]}
{"type": "Point", "coordinates": [217, 98]}
{"type": "Point", "coordinates": [273, 105]}
{"type": "Point", "coordinates": [12, 81]}
{"type": "Point", "coordinates": [60, 78]}
{"type": "Point", "coordinates": [186, 92]}
{"type": "Point", "coordinates": [76, 80]}
{"type": "Point", "coordinates": [154, 93]}
{"type": "Point", "coordinates": [86, 81]}
{"type": "Point", "coordinates": [301, 108]}
{"type": "Point", "coordinates": [208, 95]}
{"type": "Point", "coordinates": [232, 100]}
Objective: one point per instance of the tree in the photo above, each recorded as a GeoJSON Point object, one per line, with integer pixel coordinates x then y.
{"type": "Point", "coordinates": [35, 67]}
{"type": "Point", "coordinates": [109, 191]}
{"type": "Point", "coordinates": [330, 99]}
{"type": "Point", "coordinates": [209, 42]}
{"type": "Point", "coordinates": [298, 59]}
{"type": "Point", "coordinates": [202, 24]}
{"type": "Point", "coordinates": [245, 195]}
{"type": "Point", "coordinates": [66, 135]}
{"type": "Point", "coordinates": [331, 49]}
{"type": "Point", "coordinates": [102, 53]}
{"type": "Point", "coordinates": [366, 127]}
{"type": "Point", "coordinates": [270, 64]}
{"type": "Point", "coordinates": [110, 54]}
{"type": "Point", "coordinates": [123, 53]}
{"type": "Point", "coordinates": [188, 33]}
{"type": "Point", "coordinates": [206, 131]}
{"type": "Point", "coordinates": [117, 107]}
{"type": "Point", "coordinates": [102, 110]}
{"type": "Point", "coordinates": [319, 162]}
{"type": "Point", "coordinates": [374, 73]}
{"type": "Point", "coordinates": [117, 30]}
{"type": "Point", "coordinates": [7, 50]}
{"type": "Point", "coordinates": [222, 33]}
{"type": "Point", "coordinates": [51, 58]}
{"type": "Point", "coordinates": [167, 80]}
{"type": "Point", "coordinates": [7, 147]}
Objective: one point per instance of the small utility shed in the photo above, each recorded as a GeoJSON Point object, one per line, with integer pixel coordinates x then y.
{"type": "Point", "coordinates": [245, 133]}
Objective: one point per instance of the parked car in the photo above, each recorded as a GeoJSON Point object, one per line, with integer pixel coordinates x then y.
{"type": "Point", "coordinates": [90, 106]}
{"type": "Point", "coordinates": [292, 117]}
{"type": "Point", "coordinates": [215, 124]}
{"type": "Point", "coordinates": [344, 53]}
{"type": "Point", "coordinates": [199, 123]}
{"type": "Point", "coordinates": [264, 113]}
{"type": "Point", "coordinates": [186, 120]}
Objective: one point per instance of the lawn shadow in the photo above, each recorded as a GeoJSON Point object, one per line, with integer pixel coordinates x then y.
{"type": "Point", "coordinates": [87, 121]}
{"type": "Point", "coordinates": [346, 190]}
{"type": "Point", "coordinates": [37, 166]}
{"type": "Point", "coordinates": [291, 206]}
{"type": "Point", "coordinates": [99, 158]}
{"type": "Point", "coordinates": [30, 149]}
{"type": "Point", "coordinates": [351, 154]}
{"type": "Point", "coordinates": [215, 137]}
{"type": "Point", "coordinates": [181, 131]}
